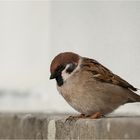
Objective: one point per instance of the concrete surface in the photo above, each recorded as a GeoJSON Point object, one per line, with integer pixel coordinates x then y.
{"type": "Point", "coordinates": [53, 126]}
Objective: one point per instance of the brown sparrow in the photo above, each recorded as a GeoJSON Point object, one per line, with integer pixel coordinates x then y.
{"type": "Point", "coordinates": [88, 86]}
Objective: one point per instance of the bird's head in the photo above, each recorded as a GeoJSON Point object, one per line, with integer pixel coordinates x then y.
{"type": "Point", "coordinates": [62, 66]}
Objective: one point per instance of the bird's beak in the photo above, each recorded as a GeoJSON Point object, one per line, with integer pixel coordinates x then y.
{"type": "Point", "coordinates": [52, 76]}
{"type": "Point", "coordinates": [57, 72]}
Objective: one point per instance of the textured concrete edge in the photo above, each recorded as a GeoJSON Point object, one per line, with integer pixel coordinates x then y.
{"type": "Point", "coordinates": [53, 126]}
{"type": "Point", "coordinates": [51, 130]}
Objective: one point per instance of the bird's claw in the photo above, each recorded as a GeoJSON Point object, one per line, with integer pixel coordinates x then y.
{"type": "Point", "coordinates": [74, 118]}
{"type": "Point", "coordinates": [71, 118]}
{"type": "Point", "coordinates": [96, 115]}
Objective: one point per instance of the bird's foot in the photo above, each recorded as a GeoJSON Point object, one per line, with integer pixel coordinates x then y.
{"type": "Point", "coordinates": [96, 115]}
{"type": "Point", "coordinates": [75, 118]}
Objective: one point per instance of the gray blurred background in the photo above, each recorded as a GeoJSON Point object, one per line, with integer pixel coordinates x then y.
{"type": "Point", "coordinates": [33, 32]}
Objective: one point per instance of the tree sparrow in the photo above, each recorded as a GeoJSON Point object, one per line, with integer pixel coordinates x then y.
{"type": "Point", "coordinates": [88, 86]}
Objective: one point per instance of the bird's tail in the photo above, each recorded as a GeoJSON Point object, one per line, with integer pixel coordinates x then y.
{"type": "Point", "coordinates": [134, 97]}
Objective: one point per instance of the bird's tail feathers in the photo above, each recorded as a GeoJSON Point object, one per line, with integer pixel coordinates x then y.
{"type": "Point", "coordinates": [134, 97]}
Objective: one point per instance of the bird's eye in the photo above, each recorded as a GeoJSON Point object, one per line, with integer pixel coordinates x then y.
{"type": "Point", "coordinates": [71, 67]}
{"type": "Point", "coordinates": [58, 71]}
{"type": "Point", "coordinates": [60, 68]}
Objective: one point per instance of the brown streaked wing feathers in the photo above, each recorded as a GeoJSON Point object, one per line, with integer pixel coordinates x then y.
{"type": "Point", "coordinates": [104, 74]}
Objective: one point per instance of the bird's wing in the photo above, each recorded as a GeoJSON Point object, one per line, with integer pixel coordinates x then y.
{"type": "Point", "coordinates": [103, 74]}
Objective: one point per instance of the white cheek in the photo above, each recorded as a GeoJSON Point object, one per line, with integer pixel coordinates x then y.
{"type": "Point", "coordinates": [65, 75]}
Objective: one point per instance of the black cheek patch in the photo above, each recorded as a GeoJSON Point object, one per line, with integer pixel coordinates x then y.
{"type": "Point", "coordinates": [71, 68]}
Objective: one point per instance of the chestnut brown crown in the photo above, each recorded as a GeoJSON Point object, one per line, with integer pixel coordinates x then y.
{"type": "Point", "coordinates": [63, 59]}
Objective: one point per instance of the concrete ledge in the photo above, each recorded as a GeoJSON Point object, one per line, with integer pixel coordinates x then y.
{"type": "Point", "coordinates": [47, 126]}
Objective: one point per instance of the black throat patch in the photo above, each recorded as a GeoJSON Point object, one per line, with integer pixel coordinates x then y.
{"type": "Point", "coordinates": [59, 80]}
{"type": "Point", "coordinates": [58, 76]}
